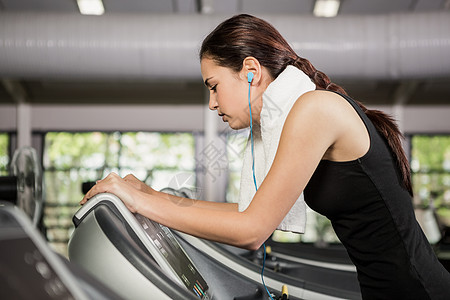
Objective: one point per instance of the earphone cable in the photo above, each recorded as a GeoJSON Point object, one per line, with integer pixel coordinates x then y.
{"type": "Point", "coordinates": [256, 186]}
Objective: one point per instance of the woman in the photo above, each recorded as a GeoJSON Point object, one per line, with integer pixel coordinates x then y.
{"type": "Point", "coordinates": [348, 161]}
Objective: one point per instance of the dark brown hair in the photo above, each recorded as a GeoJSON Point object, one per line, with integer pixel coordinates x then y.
{"type": "Point", "coordinates": [243, 35]}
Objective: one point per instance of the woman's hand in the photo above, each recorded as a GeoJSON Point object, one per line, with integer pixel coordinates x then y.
{"type": "Point", "coordinates": [137, 184]}
{"type": "Point", "coordinates": [124, 189]}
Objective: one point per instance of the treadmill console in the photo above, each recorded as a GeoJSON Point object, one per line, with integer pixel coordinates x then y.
{"type": "Point", "coordinates": [158, 240]}
{"type": "Point", "coordinates": [163, 240]}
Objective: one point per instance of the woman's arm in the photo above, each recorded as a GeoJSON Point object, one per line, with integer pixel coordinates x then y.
{"type": "Point", "coordinates": [181, 201]}
{"type": "Point", "coordinates": [310, 129]}
{"type": "Point", "coordinates": [141, 186]}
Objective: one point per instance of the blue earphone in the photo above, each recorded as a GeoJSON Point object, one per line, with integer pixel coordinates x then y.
{"type": "Point", "coordinates": [250, 77]}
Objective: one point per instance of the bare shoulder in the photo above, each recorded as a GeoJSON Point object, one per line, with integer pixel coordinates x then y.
{"type": "Point", "coordinates": [319, 106]}
{"type": "Point", "coordinates": [333, 116]}
{"type": "Point", "coordinates": [321, 100]}
{"type": "Point", "coordinates": [317, 116]}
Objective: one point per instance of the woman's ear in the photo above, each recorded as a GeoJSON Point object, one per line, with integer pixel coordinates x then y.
{"type": "Point", "coordinates": [251, 64]}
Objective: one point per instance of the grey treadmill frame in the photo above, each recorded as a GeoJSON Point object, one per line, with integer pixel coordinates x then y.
{"type": "Point", "coordinates": [54, 261]}
{"type": "Point", "coordinates": [84, 215]}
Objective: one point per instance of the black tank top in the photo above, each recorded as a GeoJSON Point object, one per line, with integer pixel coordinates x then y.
{"type": "Point", "coordinates": [372, 214]}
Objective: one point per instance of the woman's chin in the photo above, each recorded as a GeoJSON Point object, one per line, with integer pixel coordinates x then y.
{"type": "Point", "coordinates": [236, 125]}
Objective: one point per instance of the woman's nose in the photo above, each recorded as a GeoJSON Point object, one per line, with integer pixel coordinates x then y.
{"type": "Point", "coordinates": [212, 102]}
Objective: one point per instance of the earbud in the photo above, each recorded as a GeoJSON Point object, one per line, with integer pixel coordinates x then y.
{"type": "Point", "coordinates": [250, 77]}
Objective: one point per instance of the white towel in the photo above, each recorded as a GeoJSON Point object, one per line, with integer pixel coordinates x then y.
{"type": "Point", "coordinates": [278, 100]}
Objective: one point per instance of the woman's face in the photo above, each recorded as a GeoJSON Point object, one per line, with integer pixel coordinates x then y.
{"type": "Point", "coordinates": [228, 93]}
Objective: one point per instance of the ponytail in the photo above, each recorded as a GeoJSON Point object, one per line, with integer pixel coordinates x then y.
{"type": "Point", "coordinates": [384, 123]}
{"type": "Point", "coordinates": [319, 78]}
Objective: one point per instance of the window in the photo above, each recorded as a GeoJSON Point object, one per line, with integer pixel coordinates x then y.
{"type": "Point", "coordinates": [4, 155]}
{"type": "Point", "coordinates": [430, 168]}
{"type": "Point", "coordinates": [73, 158]}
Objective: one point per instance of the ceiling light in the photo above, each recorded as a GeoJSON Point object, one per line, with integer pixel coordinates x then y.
{"type": "Point", "coordinates": [91, 7]}
{"type": "Point", "coordinates": [207, 6]}
{"type": "Point", "coordinates": [326, 8]}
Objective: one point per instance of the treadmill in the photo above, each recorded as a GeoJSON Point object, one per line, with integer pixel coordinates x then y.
{"type": "Point", "coordinates": [30, 270]}
{"type": "Point", "coordinates": [312, 274]}
{"type": "Point", "coordinates": [137, 257]}
{"type": "Point", "coordinates": [286, 255]}
{"type": "Point", "coordinates": [140, 259]}
{"type": "Point", "coordinates": [303, 280]}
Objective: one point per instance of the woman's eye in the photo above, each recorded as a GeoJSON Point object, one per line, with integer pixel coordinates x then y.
{"type": "Point", "coordinates": [213, 88]}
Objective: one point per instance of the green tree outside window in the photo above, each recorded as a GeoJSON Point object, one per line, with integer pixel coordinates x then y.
{"type": "Point", "coordinates": [430, 167]}
{"type": "Point", "coordinates": [4, 157]}
{"type": "Point", "coordinates": [73, 158]}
